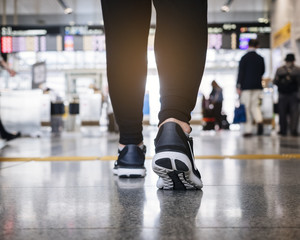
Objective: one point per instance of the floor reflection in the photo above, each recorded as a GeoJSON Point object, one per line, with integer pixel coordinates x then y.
{"type": "Point", "coordinates": [127, 206]}
{"type": "Point", "coordinates": [178, 211]}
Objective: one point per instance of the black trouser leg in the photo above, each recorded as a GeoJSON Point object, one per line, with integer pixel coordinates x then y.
{"type": "Point", "coordinates": [3, 132]}
{"type": "Point", "coordinates": [294, 113]}
{"type": "Point", "coordinates": [126, 28]}
{"type": "Point", "coordinates": [283, 113]}
{"type": "Point", "coordinates": [180, 45]}
{"type": "Point", "coordinates": [180, 50]}
{"type": "Point", "coordinates": [218, 113]}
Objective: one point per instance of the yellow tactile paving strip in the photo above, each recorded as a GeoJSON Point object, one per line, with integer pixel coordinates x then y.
{"type": "Point", "coordinates": [112, 158]}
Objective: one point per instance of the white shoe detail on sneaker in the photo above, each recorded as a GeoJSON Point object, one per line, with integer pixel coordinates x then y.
{"type": "Point", "coordinates": [184, 174]}
{"type": "Point", "coordinates": [130, 172]}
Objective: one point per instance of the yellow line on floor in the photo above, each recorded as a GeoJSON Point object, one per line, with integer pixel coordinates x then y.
{"type": "Point", "coordinates": [251, 156]}
{"type": "Point", "coordinates": [112, 158]}
{"type": "Point", "coordinates": [52, 158]}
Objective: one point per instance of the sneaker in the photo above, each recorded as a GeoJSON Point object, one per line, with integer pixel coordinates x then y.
{"type": "Point", "coordinates": [247, 135]}
{"type": "Point", "coordinates": [130, 162]}
{"type": "Point", "coordinates": [295, 134]}
{"type": "Point", "coordinates": [174, 159]}
{"type": "Point", "coordinates": [10, 136]}
{"type": "Point", "coordinates": [282, 133]}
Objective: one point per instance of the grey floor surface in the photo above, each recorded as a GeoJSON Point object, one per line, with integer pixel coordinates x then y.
{"type": "Point", "coordinates": [241, 199]}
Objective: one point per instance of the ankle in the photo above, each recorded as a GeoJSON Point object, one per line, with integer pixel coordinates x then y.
{"type": "Point", "coordinates": [185, 126]}
{"type": "Point", "coordinates": [121, 146]}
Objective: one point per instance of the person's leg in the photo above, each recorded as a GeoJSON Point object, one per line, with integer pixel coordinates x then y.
{"type": "Point", "coordinates": [218, 113]}
{"type": "Point", "coordinates": [256, 110]}
{"type": "Point", "coordinates": [7, 135]}
{"type": "Point", "coordinates": [294, 114]}
{"type": "Point", "coordinates": [246, 100]}
{"type": "Point", "coordinates": [126, 29]}
{"type": "Point", "coordinates": [282, 110]}
{"type": "Point", "coordinates": [126, 24]}
{"type": "Point", "coordinates": [3, 132]}
{"type": "Point", "coordinates": [180, 50]}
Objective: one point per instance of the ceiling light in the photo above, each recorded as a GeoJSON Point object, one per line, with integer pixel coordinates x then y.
{"type": "Point", "coordinates": [67, 10]}
{"type": "Point", "coordinates": [226, 6]}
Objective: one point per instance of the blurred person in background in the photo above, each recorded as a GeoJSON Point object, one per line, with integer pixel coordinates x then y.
{"type": "Point", "coordinates": [249, 87]}
{"type": "Point", "coordinates": [3, 132]}
{"type": "Point", "coordinates": [216, 98]}
{"type": "Point", "coordinates": [287, 79]}
{"type": "Point", "coordinates": [5, 65]}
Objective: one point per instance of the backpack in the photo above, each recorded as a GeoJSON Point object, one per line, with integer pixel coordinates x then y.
{"type": "Point", "coordinates": [286, 83]}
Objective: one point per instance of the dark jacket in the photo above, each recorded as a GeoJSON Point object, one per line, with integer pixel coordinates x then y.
{"type": "Point", "coordinates": [251, 70]}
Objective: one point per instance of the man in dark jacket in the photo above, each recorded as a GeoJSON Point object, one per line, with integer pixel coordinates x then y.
{"type": "Point", "coordinates": [287, 79]}
{"type": "Point", "coordinates": [249, 86]}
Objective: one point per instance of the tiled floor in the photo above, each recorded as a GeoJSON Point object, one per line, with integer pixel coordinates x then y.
{"type": "Point", "coordinates": [241, 199]}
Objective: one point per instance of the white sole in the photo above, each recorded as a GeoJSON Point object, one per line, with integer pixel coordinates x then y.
{"type": "Point", "coordinates": [130, 172]}
{"type": "Point", "coordinates": [175, 171]}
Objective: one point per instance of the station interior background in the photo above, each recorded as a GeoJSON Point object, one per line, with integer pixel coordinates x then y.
{"type": "Point", "coordinates": [66, 53]}
{"type": "Point", "coordinates": [56, 180]}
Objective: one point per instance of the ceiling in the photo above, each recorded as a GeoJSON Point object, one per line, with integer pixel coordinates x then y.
{"type": "Point", "coordinates": [89, 11]}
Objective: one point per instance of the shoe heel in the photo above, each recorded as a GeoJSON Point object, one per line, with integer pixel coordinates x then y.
{"type": "Point", "coordinates": [176, 172]}
{"type": "Point", "coordinates": [130, 172]}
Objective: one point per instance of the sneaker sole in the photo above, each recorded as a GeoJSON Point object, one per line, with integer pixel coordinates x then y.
{"type": "Point", "coordinates": [175, 170]}
{"type": "Point", "coordinates": [130, 172]}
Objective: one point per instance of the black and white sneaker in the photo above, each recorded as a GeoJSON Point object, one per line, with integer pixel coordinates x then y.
{"type": "Point", "coordinates": [174, 159]}
{"type": "Point", "coordinates": [130, 162]}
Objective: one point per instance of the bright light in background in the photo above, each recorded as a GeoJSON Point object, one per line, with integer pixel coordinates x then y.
{"type": "Point", "coordinates": [152, 209]}
{"type": "Point", "coordinates": [263, 20]}
{"type": "Point", "coordinates": [32, 32]}
{"type": "Point", "coordinates": [68, 10]}
{"type": "Point", "coordinates": [235, 127]}
{"type": "Point", "coordinates": [225, 8]}
{"type": "Point", "coordinates": [152, 87]}
{"type": "Point", "coordinates": [231, 171]}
